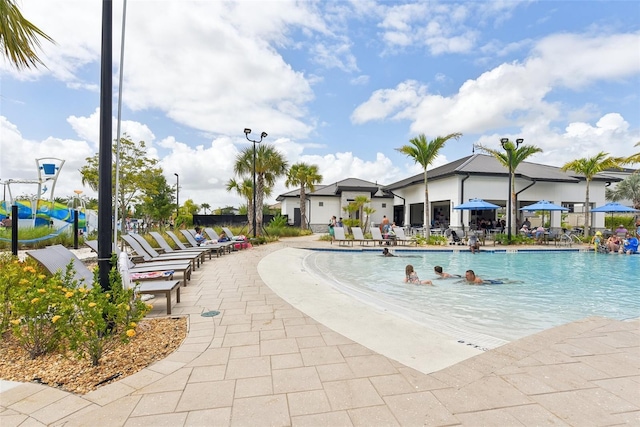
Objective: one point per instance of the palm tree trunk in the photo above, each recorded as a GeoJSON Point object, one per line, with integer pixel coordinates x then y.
{"type": "Point", "coordinates": [259, 204]}
{"type": "Point", "coordinates": [250, 215]}
{"type": "Point", "coordinates": [426, 226]}
{"type": "Point", "coordinates": [303, 208]}
{"type": "Point", "coordinates": [587, 216]}
{"type": "Point", "coordinates": [512, 214]}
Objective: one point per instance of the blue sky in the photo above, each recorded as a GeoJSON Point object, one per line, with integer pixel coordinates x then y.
{"type": "Point", "coordinates": [337, 84]}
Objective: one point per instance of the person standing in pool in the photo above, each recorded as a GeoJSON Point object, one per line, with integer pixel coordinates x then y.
{"type": "Point", "coordinates": [385, 252]}
{"type": "Point", "coordinates": [410, 276]}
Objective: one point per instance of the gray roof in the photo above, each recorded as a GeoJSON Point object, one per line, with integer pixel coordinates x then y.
{"type": "Point", "coordinates": [486, 165]}
{"type": "Point", "coordinates": [335, 189]}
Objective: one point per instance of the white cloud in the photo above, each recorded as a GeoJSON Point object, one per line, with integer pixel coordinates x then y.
{"type": "Point", "coordinates": [509, 93]}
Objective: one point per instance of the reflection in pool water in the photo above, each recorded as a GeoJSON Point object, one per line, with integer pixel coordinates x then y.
{"type": "Point", "coordinates": [552, 288]}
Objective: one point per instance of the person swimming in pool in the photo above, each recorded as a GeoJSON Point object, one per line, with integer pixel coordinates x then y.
{"type": "Point", "coordinates": [412, 277]}
{"type": "Point", "coordinates": [438, 270]}
{"type": "Point", "coordinates": [385, 252]}
{"type": "Point", "coordinates": [471, 279]}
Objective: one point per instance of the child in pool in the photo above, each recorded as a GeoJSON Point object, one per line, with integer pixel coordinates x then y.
{"type": "Point", "coordinates": [410, 276]}
{"type": "Point", "coordinates": [442, 274]}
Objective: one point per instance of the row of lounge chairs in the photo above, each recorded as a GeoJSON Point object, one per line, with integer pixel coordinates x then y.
{"type": "Point", "coordinates": [376, 237]}
{"type": "Point", "coordinates": [155, 264]}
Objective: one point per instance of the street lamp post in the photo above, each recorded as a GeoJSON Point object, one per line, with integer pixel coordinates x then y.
{"type": "Point", "coordinates": [263, 135]}
{"type": "Point", "coordinates": [177, 195]}
{"type": "Point", "coordinates": [509, 149]}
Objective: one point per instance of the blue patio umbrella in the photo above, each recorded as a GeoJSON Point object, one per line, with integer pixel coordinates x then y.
{"type": "Point", "coordinates": [543, 205]}
{"type": "Point", "coordinates": [477, 205]}
{"type": "Point", "coordinates": [614, 208]}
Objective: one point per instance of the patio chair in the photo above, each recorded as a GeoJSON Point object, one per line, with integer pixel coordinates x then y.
{"type": "Point", "coordinates": [189, 235]}
{"type": "Point", "coordinates": [240, 242]}
{"type": "Point", "coordinates": [401, 237]}
{"type": "Point", "coordinates": [178, 266]}
{"type": "Point", "coordinates": [376, 235]}
{"type": "Point", "coordinates": [56, 258]}
{"type": "Point", "coordinates": [340, 237]}
{"type": "Point", "coordinates": [168, 249]}
{"type": "Point", "coordinates": [211, 233]}
{"type": "Point", "coordinates": [149, 254]}
{"type": "Point", "coordinates": [358, 236]}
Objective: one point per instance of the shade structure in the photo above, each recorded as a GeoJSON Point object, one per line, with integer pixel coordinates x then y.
{"type": "Point", "coordinates": [543, 205]}
{"type": "Point", "coordinates": [477, 205]}
{"type": "Point", "coordinates": [614, 208]}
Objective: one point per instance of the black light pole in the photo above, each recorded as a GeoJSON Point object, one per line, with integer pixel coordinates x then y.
{"type": "Point", "coordinates": [263, 135]}
{"type": "Point", "coordinates": [177, 195]}
{"type": "Point", "coordinates": [508, 147]}
{"type": "Point", "coordinates": [105, 155]}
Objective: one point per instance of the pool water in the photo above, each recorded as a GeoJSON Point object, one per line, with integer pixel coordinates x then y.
{"type": "Point", "coordinates": [544, 289]}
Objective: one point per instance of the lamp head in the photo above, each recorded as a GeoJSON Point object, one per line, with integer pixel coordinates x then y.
{"type": "Point", "coordinates": [504, 142]}
{"type": "Point", "coordinates": [263, 135]}
{"type": "Point", "coordinates": [519, 141]}
{"type": "Point", "coordinates": [247, 131]}
{"type": "Point", "coordinates": [176, 174]}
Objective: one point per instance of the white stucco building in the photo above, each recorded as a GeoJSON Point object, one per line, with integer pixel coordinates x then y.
{"type": "Point", "coordinates": [477, 176]}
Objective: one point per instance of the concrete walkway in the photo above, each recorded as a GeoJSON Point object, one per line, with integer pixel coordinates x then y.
{"type": "Point", "coordinates": [264, 362]}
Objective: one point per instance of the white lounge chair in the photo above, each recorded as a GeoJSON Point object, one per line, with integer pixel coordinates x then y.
{"type": "Point", "coordinates": [377, 237]}
{"type": "Point", "coordinates": [358, 236]}
{"type": "Point", "coordinates": [401, 237]}
{"type": "Point", "coordinates": [340, 237]}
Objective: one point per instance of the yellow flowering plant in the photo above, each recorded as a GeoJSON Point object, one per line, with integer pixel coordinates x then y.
{"type": "Point", "coordinates": [46, 312]}
{"type": "Point", "coordinates": [33, 306]}
{"type": "Point", "coordinates": [103, 319]}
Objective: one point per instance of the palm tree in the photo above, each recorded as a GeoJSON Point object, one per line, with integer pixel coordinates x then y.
{"type": "Point", "coordinates": [425, 152]}
{"type": "Point", "coordinates": [206, 207]}
{"type": "Point", "coordinates": [19, 38]}
{"type": "Point", "coordinates": [634, 158]}
{"type": "Point", "coordinates": [629, 188]}
{"type": "Point", "coordinates": [270, 165]}
{"type": "Point", "coordinates": [518, 155]}
{"type": "Point", "coordinates": [589, 167]}
{"type": "Point", "coordinates": [244, 189]}
{"type": "Point", "coordinates": [305, 176]}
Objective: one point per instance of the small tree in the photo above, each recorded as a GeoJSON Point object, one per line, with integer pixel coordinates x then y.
{"type": "Point", "coordinates": [305, 176]}
{"type": "Point", "coordinates": [425, 152]}
{"type": "Point", "coordinates": [518, 155]}
{"type": "Point", "coordinates": [205, 207]}
{"type": "Point", "coordinates": [589, 167]}
{"type": "Point", "coordinates": [138, 174]}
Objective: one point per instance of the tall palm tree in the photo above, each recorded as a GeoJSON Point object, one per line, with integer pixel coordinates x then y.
{"type": "Point", "coordinates": [205, 207]}
{"type": "Point", "coordinates": [270, 165]}
{"type": "Point", "coordinates": [628, 188]}
{"type": "Point", "coordinates": [634, 158]}
{"type": "Point", "coordinates": [305, 176]}
{"type": "Point", "coordinates": [518, 155]}
{"type": "Point", "coordinates": [425, 152]}
{"type": "Point", "coordinates": [19, 38]}
{"type": "Point", "coordinates": [244, 189]}
{"type": "Point", "coordinates": [589, 167]}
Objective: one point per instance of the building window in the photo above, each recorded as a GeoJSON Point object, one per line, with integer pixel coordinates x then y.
{"type": "Point", "coordinates": [384, 205]}
{"type": "Point", "coordinates": [320, 203]}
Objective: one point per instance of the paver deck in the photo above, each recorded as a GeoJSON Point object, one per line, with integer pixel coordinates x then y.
{"type": "Point", "coordinates": [263, 362]}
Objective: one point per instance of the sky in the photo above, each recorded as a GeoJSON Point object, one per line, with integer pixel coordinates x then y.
{"type": "Point", "coordinates": [338, 84]}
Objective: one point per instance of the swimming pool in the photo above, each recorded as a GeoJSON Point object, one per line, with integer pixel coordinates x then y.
{"type": "Point", "coordinates": [550, 289]}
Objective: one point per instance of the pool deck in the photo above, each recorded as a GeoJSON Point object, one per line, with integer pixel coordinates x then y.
{"type": "Point", "coordinates": [288, 351]}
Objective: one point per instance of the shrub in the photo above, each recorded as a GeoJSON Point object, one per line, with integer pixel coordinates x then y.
{"type": "Point", "coordinates": [47, 313]}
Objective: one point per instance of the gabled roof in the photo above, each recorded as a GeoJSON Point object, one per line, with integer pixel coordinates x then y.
{"type": "Point", "coordinates": [485, 165]}
{"type": "Point", "coordinates": [335, 189]}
